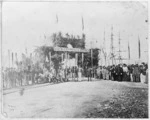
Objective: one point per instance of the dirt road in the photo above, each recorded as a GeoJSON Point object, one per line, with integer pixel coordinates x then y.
{"type": "Point", "coordinates": [65, 100]}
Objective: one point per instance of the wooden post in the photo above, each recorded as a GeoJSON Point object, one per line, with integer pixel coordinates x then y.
{"type": "Point", "coordinates": [82, 59]}
{"type": "Point", "coordinates": [76, 58]}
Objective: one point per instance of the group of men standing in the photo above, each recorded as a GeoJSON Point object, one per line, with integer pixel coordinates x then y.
{"type": "Point", "coordinates": [123, 72]}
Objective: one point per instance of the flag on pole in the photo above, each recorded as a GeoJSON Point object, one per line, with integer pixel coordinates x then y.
{"type": "Point", "coordinates": [139, 47]}
{"type": "Point", "coordinates": [56, 18]}
{"type": "Point", "coordinates": [128, 51]}
{"type": "Point", "coordinates": [82, 23]}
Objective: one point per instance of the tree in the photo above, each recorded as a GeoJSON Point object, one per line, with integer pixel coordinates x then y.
{"type": "Point", "coordinates": [62, 41]}
{"type": "Point", "coordinates": [87, 58]}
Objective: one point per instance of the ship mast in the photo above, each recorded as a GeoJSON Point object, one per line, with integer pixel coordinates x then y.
{"type": "Point", "coordinates": [119, 42]}
{"type": "Point", "coordinates": [112, 46]}
{"type": "Point", "coordinates": [104, 48]}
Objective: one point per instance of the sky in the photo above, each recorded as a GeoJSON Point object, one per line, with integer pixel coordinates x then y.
{"type": "Point", "coordinates": [24, 25]}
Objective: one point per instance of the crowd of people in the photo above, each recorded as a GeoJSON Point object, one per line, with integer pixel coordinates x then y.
{"type": "Point", "coordinates": [121, 72]}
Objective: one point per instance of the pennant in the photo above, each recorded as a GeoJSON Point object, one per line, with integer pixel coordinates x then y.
{"type": "Point", "coordinates": [56, 18]}
{"type": "Point", "coordinates": [128, 51]}
{"type": "Point", "coordinates": [82, 23]}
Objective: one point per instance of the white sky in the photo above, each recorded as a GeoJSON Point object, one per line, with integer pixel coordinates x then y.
{"type": "Point", "coordinates": [25, 23]}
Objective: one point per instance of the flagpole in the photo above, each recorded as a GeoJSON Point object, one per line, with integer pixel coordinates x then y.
{"type": "Point", "coordinates": [139, 49]}
{"type": "Point", "coordinates": [128, 53]}
{"type": "Point", "coordinates": [56, 23]}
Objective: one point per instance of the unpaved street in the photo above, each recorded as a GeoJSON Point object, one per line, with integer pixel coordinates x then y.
{"type": "Point", "coordinates": [68, 100]}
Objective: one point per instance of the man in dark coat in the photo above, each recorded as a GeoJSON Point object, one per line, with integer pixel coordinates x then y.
{"type": "Point", "coordinates": [119, 72]}
{"type": "Point", "coordinates": [89, 74]}
{"type": "Point", "coordinates": [136, 74]}
{"type": "Point", "coordinates": [113, 73]}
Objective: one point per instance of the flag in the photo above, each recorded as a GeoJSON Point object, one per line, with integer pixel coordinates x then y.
{"type": "Point", "coordinates": [139, 48]}
{"type": "Point", "coordinates": [56, 18]}
{"type": "Point", "coordinates": [128, 51]}
{"type": "Point", "coordinates": [82, 23]}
